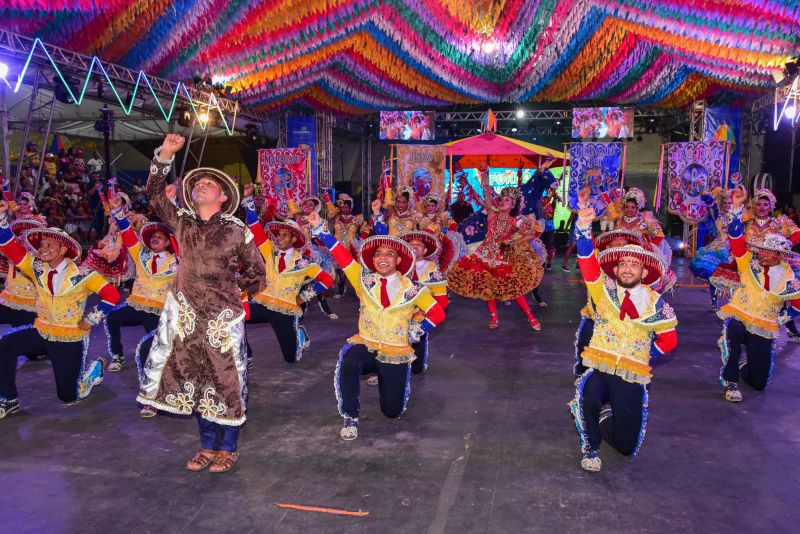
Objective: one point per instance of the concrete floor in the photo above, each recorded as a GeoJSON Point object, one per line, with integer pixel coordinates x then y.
{"type": "Point", "coordinates": [486, 445]}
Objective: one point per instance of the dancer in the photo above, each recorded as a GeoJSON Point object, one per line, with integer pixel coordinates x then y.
{"type": "Point", "coordinates": [752, 317]}
{"type": "Point", "coordinates": [348, 229]}
{"type": "Point", "coordinates": [18, 299]}
{"type": "Point", "coordinates": [401, 217]}
{"type": "Point", "coordinates": [318, 254]}
{"type": "Point", "coordinates": [717, 252]}
{"type": "Point", "coordinates": [197, 364]}
{"type": "Point", "coordinates": [611, 239]}
{"type": "Point", "coordinates": [425, 271]}
{"type": "Point", "coordinates": [504, 266]}
{"type": "Point", "coordinates": [389, 301]}
{"type": "Point", "coordinates": [60, 329]}
{"type": "Point", "coordinates": [633, 325]}
{"type": "Point", "coordinates": [156, 269]}
{"type": "Point", "coordinates": [288, 271]}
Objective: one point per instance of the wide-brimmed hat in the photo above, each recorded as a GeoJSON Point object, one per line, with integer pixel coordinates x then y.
{"type": "Point", "coordinates": [273, 227]}
{"type": "Point", "coordinates": [20, 226]}
{"type": "Point", "coordinates": [150, 228]}
{"type": "Point", "coordinates": [229, 187]}
{"type": "Point", "coordinates": [371, 244]}
{"type": "Point", "coordinates": [34, 236]}
{"type": "Point", "coordinates": [652, 262]}
{"type": "Point", "coordinates": [775, 243]}
{"type": "Point", "coordinates": [432, 245]}
{"type": "Point", "coordinates": [603, 241]}
{"type": "Point", "coordinates": [317, 203]}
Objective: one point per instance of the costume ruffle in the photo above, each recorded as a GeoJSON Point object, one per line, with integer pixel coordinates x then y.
{"type": "Point", "coordinates": [473, 277]}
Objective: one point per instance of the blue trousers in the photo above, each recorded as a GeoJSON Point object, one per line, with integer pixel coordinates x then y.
{"type": "Point", "coordinates": [217, 437]}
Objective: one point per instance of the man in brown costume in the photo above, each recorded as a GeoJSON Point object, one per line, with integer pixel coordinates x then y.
{"type": "Point", "coordinates": [197, 363]}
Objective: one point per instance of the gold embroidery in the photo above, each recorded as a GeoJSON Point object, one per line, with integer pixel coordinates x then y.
{"type": "Point", "coordinates": [208, 408]}
{"type": "Point", "coordinates": [219, 331]}
{"type": "Point", "coordinates": [186, 317]}
{"type": "Point", "coordinates": [183, 402]}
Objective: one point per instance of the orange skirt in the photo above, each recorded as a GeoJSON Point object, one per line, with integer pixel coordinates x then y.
{"type": "Point", "coordinates": [472, 277]}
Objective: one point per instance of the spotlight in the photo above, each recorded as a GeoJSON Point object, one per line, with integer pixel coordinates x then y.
{"type": "Point", "coordinates": [520, 113]}
{"type": "Point", "coordinates": [60, 91]}
{"type": "Point", "coordinates": [514, 129]}
{"type": "Point", "coordinates": [3, 71]}
{"type": "Point", "coordinates": [251, 131]}
{"type": "Point", "coordinates": [790, 112]}
{"type": "Point", "coordinates": [203, 117]}
{"type": "Point", "coordinates": [558, 123]}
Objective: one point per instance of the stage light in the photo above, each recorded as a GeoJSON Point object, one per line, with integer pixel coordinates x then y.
{"type": "Point", "coordinates": [3, 71]}
{"type": "Point", "coordinates": [514, 129]}
{"type": "Point", "coordinates": [520, 113]}
{"type": "Point", "coordinates": [203, 117]}
{"type": "Point", "coordinates": [558, 123]}
{"type": "Point", "coordinates": [790, 112]}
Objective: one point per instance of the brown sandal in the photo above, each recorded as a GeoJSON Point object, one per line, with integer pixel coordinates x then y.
{"type": "Point", "coordinates": [224, 461]}
{"type": "Point", "coordinates": [201, 460]}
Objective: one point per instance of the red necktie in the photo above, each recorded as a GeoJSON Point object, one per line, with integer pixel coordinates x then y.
{"type": "Point", "coordinates": [414, 274]}
{"type": "Point", "coordinates": [385, 302]}
{"type": "Point", "coordinates": [282, 262]}
{"type": "Point", "coordinates": [766, 279]}
{"type": "Point", "coordinates": [154, 265]}
{"type": "Point", "coordinates": [628, 308]}
{"type": "Point", "coordinates": [50, 276]}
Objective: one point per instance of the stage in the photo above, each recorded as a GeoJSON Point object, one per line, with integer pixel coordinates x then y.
{"type": "Point", "coordinates": [487, 444]}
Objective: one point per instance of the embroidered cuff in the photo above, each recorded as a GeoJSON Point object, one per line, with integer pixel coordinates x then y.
{"type": "Point", "coordinates": [4, 221]}
{"type": "Point", "coordinates": [415, 332]}
{"type": "Point", "coordinates": [319, 229]}
{"type": "Point", "coordinates": [584, 231]}
{"type": "Point", "coordinates": [248, 203]}
{"type": "Point", "coordinates": [94, 317]}
{"type": "Point", "coordinates": [157, 158]}
{"type": "Point", "coordinates": [118, 214]}
{"type": "Point", "coordinates": [307, 294]}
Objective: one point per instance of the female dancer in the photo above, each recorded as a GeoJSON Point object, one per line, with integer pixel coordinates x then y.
{"type": "Point", "coordinates": [718, 251]}
{"type": "Point", "coordinates": [504, 266]}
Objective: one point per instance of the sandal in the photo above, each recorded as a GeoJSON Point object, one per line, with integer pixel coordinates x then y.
{"type": "Point", "coordinates": [493, 322]}
{"type": "Point", "coordinates": [224, 462]}
{"type": "Point", "coordinates": [201, 460]}
{"type": "Point", "coordinates": [534, 323]}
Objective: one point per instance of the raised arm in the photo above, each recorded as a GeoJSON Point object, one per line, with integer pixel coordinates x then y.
{"type": "Point", "coordinates": [736, 228]}
{"type": "Point", "coordinates": [351, 268]}
{"type": "Point", "coordinates": [378, 219]}
{"type": "Point", "coordinates": [587, 258]}
{"type": "Point", "coordinates": [129, 237]}
{"type": "Point", "coordinates": [11, 247]}
{"type": "Point", "coordinates": [157, 181]}
{"type": "Point", "coordinates": [251, 218]}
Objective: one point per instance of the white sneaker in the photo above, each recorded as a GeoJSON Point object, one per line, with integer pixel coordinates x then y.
{"type": "Point", "coordinates": [590, 461]}
{"type": "Point", "coordinates": [349, 430]}
{"type": "Point", "coordinates": [732, 393]}
{"type": "Point", "coordinates": [372, 380]}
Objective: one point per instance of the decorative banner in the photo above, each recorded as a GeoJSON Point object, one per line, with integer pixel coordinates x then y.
{"type": "Point", "coordinates": [725, 124]}
{"type": "Point", "coordinates": [421, 167]}
{"type": "Point", "coordinates": [282, 174]}
{"type": "Point", "coordinates": [597, 165]}
{"type": "Point", "coordinates": [691, 169]}
{"type": "Point", "coordinates": [301, 132]}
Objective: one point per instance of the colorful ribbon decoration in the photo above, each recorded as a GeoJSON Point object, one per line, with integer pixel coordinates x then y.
{"type": "Point", "coordinates": [357, 56]}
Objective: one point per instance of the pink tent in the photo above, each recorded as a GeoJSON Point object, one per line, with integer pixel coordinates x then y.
{"type": "Point", "coordinates": [500, 151]}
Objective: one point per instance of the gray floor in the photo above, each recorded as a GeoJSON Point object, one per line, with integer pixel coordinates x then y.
{"type": "Point", "coordinates": [487, 444]}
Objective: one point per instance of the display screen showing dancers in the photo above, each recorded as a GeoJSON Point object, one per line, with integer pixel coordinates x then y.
{"type": "Point", "coordinates": [616, 123]}
{"type": "Point", "coordinates": [407, 125]}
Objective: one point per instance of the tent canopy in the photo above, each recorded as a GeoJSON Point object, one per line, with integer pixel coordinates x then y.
{"type": "Point", "coordinates": [501, 152]}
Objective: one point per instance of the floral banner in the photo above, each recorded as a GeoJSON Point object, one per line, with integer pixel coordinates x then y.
{"type": "Point", "coordinates": [597, 165]}
{"type": "Point", "coordinates": [421, 167]}
{"type": "Point", "coordinates": [692, 168]}
{"type": "Point", "coordinates": [282, 174]}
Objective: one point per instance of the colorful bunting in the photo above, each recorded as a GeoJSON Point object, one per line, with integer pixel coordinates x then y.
{"type": "Point", "coordinates": [356, 56]}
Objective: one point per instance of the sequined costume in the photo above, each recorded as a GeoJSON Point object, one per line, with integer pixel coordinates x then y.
{"type": "Point", "coordinates": [197, 364]}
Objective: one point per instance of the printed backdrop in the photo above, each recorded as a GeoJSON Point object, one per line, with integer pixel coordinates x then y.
{"type": "Point", "coordinates": [598, 165]}
{"type": "Point", "coordinates": [282, 174]}
{"type": "Point", "coordinates": [421, 167]}
{"type": "Point", "coordinates": [692, 168]}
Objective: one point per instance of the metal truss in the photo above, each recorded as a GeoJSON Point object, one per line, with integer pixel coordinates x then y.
{"type": "Point", "coordinates": [70, 65]}
{"type": "Point", "coordinates": [324, 150]}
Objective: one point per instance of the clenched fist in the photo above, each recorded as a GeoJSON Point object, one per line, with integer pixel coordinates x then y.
{"type": "Point", "coordinates": [172, 144]}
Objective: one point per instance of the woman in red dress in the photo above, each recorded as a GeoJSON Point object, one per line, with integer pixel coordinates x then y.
{"type": "Point", "coordinates": [504, 266]}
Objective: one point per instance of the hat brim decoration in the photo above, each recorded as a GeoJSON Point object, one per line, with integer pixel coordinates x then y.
{"type": "Point", "coordinates": [632, 238]}
{"type": "Point", "coordinates": [317, 203]}
{"type": "Point", "coordinates": [229, 187]}
{"type": "Point", "coordinates": [20, 226]}
{"type": "Point", "coordinates": [371, 244]}
{"type": "Point", "coordinates": [33, 239]}
{"type": "Point", "coordinates": [151, 228]}
{"type": "Point", "coordinates": [785, 255]}
{"type": "Point", "coordinates": [273, 227]}
{"type": "Point", "coordinates": [432, 245]}
{"type": "Point", "coordinates": [652, 262]}
{"type": "Point", "coordinates": [767, 194]}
